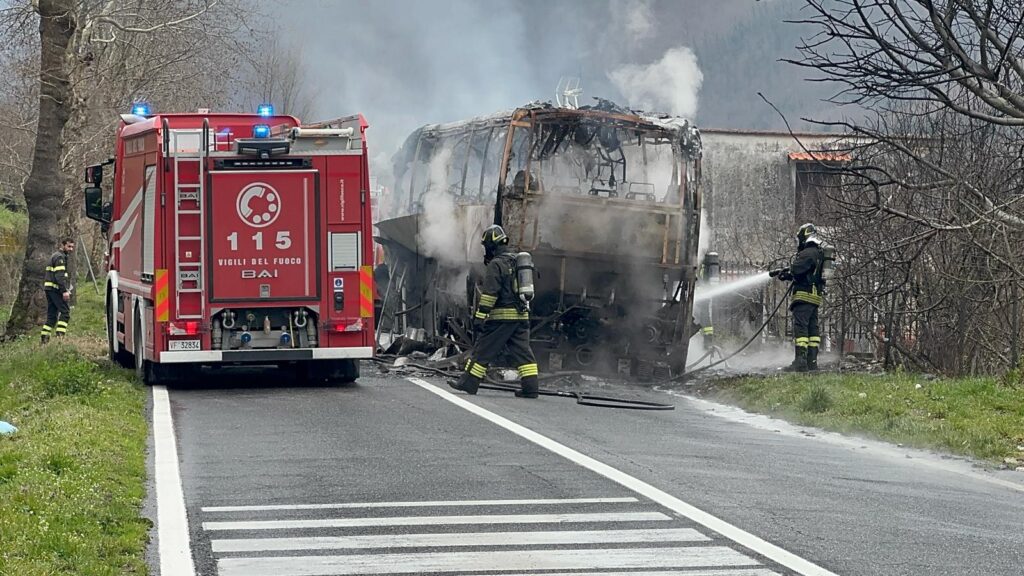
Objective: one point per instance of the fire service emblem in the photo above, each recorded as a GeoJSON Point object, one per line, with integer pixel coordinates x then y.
{"type": "Point", "coordinates": [258, 204]}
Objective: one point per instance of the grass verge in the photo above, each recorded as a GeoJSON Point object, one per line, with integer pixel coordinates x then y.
{"type": "Point", "coordinates": [979, 417]}
{"type": "Point", "coordinates": [72, 479]}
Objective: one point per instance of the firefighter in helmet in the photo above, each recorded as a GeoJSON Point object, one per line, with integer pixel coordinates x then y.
{"type": "Point", "coordinates": [808, 289]}
{"type": "Point", "coordinates": [501, 321]}
{"type": "Point", "coordinates": [57, 287]}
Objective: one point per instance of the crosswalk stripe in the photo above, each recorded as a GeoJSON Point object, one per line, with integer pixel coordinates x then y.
{"type": "Point", "coordinates": [459, 540]}
{"type": "Point", "coordinates": [436, 520]}
{"type": "Point", "coordinates": [427, 504]}
{"type": "Point", "coordinates": [592, 559]}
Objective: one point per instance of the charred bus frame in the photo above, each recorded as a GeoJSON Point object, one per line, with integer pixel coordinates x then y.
{"type": "Point", "coordinates": [606, 199]}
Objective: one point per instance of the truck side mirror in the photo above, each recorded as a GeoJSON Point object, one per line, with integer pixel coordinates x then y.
{"type": "Point", "coordinates": [94, 209]}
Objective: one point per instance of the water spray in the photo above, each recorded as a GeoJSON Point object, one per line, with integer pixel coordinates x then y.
{"type": "Point", "coordinates": [705, 292]}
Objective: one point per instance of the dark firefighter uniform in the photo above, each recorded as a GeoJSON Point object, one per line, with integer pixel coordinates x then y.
{"type": "Point", "coordinates": [808, 291]}
{"type": "Point", "coordinates": [501, 320]}
{"type": "Point", "coordinates": [57, 282]}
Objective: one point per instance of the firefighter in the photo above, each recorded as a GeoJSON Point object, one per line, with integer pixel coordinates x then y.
{"type": "Point", "coordinates": [501, 321]}
{"type": "Point", "coordinates": [808, 289]}
{"type": "Point", "coordinates": [57, 288]}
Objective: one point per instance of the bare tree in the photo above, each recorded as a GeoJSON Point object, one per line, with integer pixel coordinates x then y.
{"type": "Point", "coordinates": [964, 56]}
{"type": "Point", "coordinates": [930, 221]}
{"type": "Point", "coordinates": [43, 188]}
{"type": "Point", "coordinates": [276, 74]}
{"type": "Point", "coordinates": [94, 57]}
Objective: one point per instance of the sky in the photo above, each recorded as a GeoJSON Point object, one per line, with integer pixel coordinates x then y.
{"type": "Point", "coordinates": [406, 63]}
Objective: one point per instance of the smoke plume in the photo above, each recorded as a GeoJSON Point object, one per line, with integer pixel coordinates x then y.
{"type": "Point", "coordinates": [440, 234]}
{"type": "Point", "coordinates": [669, 85]}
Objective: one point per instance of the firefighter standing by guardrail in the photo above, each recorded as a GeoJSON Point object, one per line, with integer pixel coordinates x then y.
{"type": "Point", "coordinates": [502, 318]}
{"type": "Point", "coordinates": [57, 288]}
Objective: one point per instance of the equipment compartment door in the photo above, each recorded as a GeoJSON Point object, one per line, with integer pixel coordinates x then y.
{"type": "Point", "coordinates": [262, 230]}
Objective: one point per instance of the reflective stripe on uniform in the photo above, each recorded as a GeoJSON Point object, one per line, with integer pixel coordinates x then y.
{"type": "Point", "coordinates": [478, 370]}
{"type": "Point", "coordinates": [814, 341]}
{"type": "Point", "coordinates": [47, 330]}
{"type": "Point", "coordinates": [62, 327]}
{"type": "Point", "coordinates": [508, 314]}
{"type": "Point", "coordinates": [802, 341]}
{"type": "Point", "coordinates": [528, 370]}
{"type": "Point", "coordinates": [811, 297]}
{"type": "Point", "coordinates": [708, 330]}
{"type": "Point", "coordinates": [486, 303]}
{"type": "Point", "coordinates": [50, 285]}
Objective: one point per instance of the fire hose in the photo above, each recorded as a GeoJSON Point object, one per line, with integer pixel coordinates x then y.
{"type": "Point", "coordinates": [581, 398]}
{"type": "Point", "coordinates": [693, 371]}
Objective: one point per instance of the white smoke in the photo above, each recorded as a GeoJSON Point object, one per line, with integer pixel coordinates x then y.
{"type": "Point", "coordinates": [670, 84]}
{"type": "Point", "coordinates": [441, 235]}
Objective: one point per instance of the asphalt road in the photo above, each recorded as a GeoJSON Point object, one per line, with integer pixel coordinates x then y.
{"type": "Point", "coordinates": [392, 477]}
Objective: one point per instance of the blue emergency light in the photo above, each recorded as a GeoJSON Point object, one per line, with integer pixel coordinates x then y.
{"type": "Point", "coordinates": [261, 131]}
{"type": "Point", "coordinates": [265, 110]}
{"type": "Point", "coordinates": [140, 109]}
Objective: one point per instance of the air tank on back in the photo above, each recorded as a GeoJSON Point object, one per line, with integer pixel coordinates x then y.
{"type": "Point", "coordinates": [524, 275]}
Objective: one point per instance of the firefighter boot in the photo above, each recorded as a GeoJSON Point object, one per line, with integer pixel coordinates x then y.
{"type": "Point", "coordinates": [812, 359]}
{"type": "Point", "coordinates": [799, 362]}
{"type": "Point", "coordinates": [44, 339]}
{"type": "Point", "coordinates": [466, 383]}
{"type": "Point", "coordinates": [531, 387]}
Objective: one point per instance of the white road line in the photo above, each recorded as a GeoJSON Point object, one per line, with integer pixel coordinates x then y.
{"type": "Point", "coordinates": [739, 572]}
{"type": "Point", "coordinates": [592, 559]}
{"type": "Point", "coordinates": [171, 520]}
{"type": "Point", "coordinates": [436, 521]}
{"type": "Point", "coordinates": [742, 537]}
{"type": "Point", "coordinates": [424, 504]}
{"type": "Point", "coordinates": [460, 539]}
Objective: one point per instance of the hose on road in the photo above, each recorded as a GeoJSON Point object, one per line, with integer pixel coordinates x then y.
{"type": "Point", "coordinates": [606, 401]}
{"type": "Point", "coordinates": [581, 398]}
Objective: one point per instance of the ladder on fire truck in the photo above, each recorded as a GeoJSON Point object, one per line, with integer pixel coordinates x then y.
{"type": "Point", "coordinates": [189, 147]}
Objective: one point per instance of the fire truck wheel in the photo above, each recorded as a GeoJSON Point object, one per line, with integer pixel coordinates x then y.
{"type": "Point", "coordinates": [148, 372]}
{"type": "Point", "coordinates": [331, 371]}
{"type": "Point", "coordinates": [120, 357]}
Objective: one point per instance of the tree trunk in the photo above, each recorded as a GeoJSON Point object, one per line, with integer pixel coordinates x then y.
{"type": "Point", "coordinates": [44, 188]}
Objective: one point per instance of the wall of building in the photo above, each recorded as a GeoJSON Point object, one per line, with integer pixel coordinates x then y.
{"type": "Point", "coordinates": [749, 192]}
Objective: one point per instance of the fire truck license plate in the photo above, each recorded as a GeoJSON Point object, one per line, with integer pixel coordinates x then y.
{"type": "Point", "coordinates": [184, 345]}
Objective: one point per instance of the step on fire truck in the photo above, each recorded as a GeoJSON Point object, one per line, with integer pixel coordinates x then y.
{"type": "Point", "coordinates": [237, 239]}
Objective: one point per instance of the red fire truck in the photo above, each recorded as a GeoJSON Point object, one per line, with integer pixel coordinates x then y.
{"type": "Point", "coordinates": [237, 239]}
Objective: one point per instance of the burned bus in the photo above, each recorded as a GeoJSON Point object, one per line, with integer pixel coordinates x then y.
{"type": "Point", "coordinates": [606, 199]}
